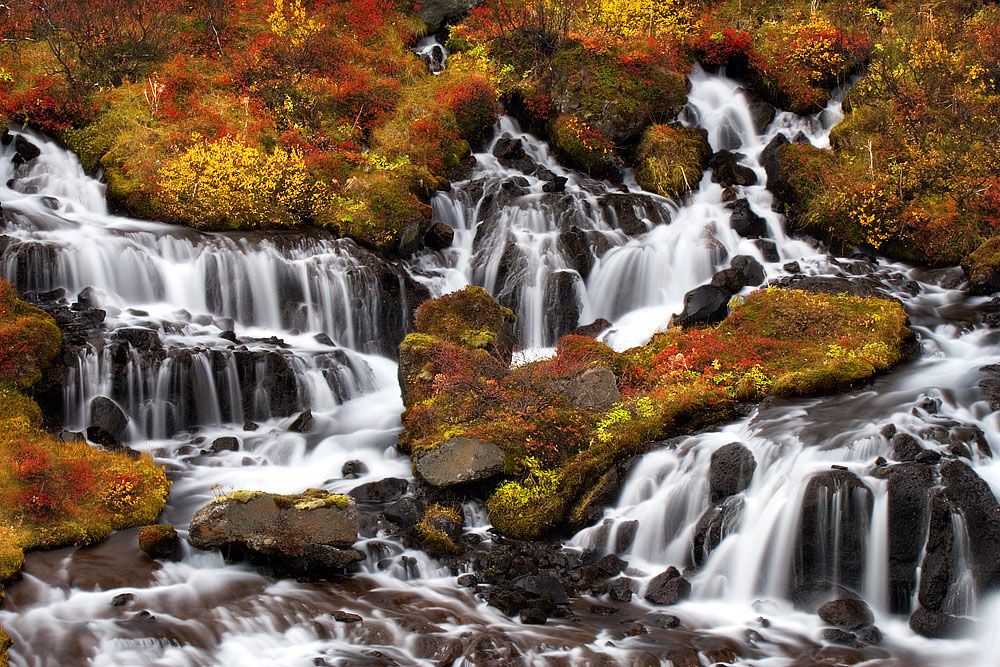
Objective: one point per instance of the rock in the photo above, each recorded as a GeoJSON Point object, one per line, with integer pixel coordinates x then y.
{"type": "Point", "coordinates": [717, 522]}
{"type": "Point", "coordinates": [108, 424]}
{"type": "Point", "coordinates": [863, 287]}
{"type": "Point", "coordinates": [833, 531]}
{"type": "Point", "coordinates": [447, 525]}
{"type": "Point", "coordinates": [542, 586]}
{"type": "Point", "coordinates": [666, 621]}
{"type": "Point", "coordinates": [353, 469]}
{"type": "Point", "coordinates": [324, 339]}
{"type": "Point", "coordinates": [342, 616]}
{"type": "Point", "coordinates": [750, 271]}
{"type": "Point", "coordinates": [938, 625]}
{"type": "Point", "coordinates": [621, 589]}
{"type": "Point", "coordinates": [562, 303]}
{"type": "Point", "coordinates": [304, 423]}
{"type": "Point", "coordinates": [122, 599]}
{"type": "Point", "coordinates": [745, 222]}
{"type": "Point", "coordinates": [768, 249]}
{"type": "Point", "coordinates": [457, 461]}
{"type": "Point", "coordinates": [405, 512]}
{"type": "Point", "coordinates": [727, 172]}
{"type": "Point", "coordinates": [594, 389]}
{"type": "Point", "coordinates": [761, 112]}
{"type": "Point", "coordinates": [140, 339]}
{"type": "Point", "coordinates": [159, 542]}
{"type": "Point", "coordinates": [905, 447]}
{"type": "Point", "coordinates": [729, 280]}
{"type": "Point", "coordinates": [439, 236]}
{"type": "Point", "coordinates": [771, 160]}
{"type": "Point", "coordinates": [730, 470]}
{"type": "Point", "coordinates": [983, 268]}
{"type": "Point", "coordinates": [594, 329]}
{"type": "Point", "coordinates": [435, 12]}
{"type": "Point", "coordinates": [309, 533]}
{"type": "Point", "coordinates": [707, 304]}
{"type": "Point", "coordinates": [605, 492]}
{"type": "Point", "coordinates": [250, 426]}
{"type": "Point", "coordinates": [909, 486]}
{"type": "Point", "coordinates": [971, 437]}
{"type": "Point", "coordinates": [383, 491]}
{"type": "Point", "coordinates": [847, 614]}
{"type": "Point", "coordinates": [610, 565]}
{"type": "Point", "coordinates": [225, 444]}
{"type": "Point", "coordinates": [24, 151]}
{"type": "Point", "coordinates": [870, 636]}
{"type": "Point", "coordinates": [668, 587]}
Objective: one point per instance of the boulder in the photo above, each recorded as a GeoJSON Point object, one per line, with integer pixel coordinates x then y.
{"type": "Point", "coordinates": [729, 280]}
{"type": "Point", "coordinates": [768, 250]}
{"type": "Point", "coordinates": [594, 329]}
{"type": "Point", "coordinates": [224, 444]}
{"type": "Point", "coordinates": [730, 470]}
{"type": "Point", "coordinates": [621, 589]}
{"type": "Point", "coordinates": [761, 112]}
{"type": "Point", "coordinates": [439, 236]}
{"type": "Point", "coordinates": [24, 150]}
{"type": "Point", "coordinates": [405, 512]}
{"type": "Point", "coordinates": [909, 486]}
{"type": "Point", "coordinates": [717, 522]}
{"type": "Point", "coordinates": [108, 424]}
{"type": "Point", "coordinates": [594, 389]}
{"type": "Point", "coordinates": [707, 304]}
{"type": "Point", "coordinates": [304, 423]}
{"type": "Point", "coordinates": [308, 533]}
{"type": "Point", "coordinates": [833, 531]}
{"type": "Point", "coordinates": [727, 172]}
{"type": "Point", "coordinates": [668, 587]}
{"type": "Point", "coordinates": [353, 469]}
{"type": "Point", "coordinates": [159, 542]}
{"type": "Point", "coordinates": [749, 269]}
{"type": "Point", "coordinates": [770, 159]}
{"type": "Point", "coordinates": [140, 339]}
{"type": "Point", "coordinates": [383, 491]}
{"type": "Point", "coordinates": [847, 614]}
{"type": "Point", "coordinates": [905, 447]}
{"type": "Point", "coordinates": [562, 303]}
{"type": "Point", "coordinates": [745, 222]}
{"type": "Point", "coordinates": [458, 460]}
{"type": "Point", "coordinates": [938, 625]}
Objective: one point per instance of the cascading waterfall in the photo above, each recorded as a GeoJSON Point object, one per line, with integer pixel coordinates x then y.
{"type": "Point", "coordinates": [237, 322]}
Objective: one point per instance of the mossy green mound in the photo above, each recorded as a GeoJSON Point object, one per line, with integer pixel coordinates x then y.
{"type": "Point", "coordinates": [776, 342]}
{"type": "Point", "coordinates": [670, 160]}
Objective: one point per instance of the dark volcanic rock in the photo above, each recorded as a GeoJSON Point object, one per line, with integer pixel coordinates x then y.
{"type": "Point", "coordinates": [108, 424]}
{"type": "Point", "coordinates": [750, 270]}
{"type": "Point", "coordinates": [745, 222]}
{"type": "Point", "coordinates": [140, 339]}
{"type": "Point", "coordinates": [905, 447]}
{"type": "Point", "coordinates": [353, 469]}
{"type": "Point", "coordinates": [24, 150]}
{"type": "Point", "coordinates": [383, 491]}
{"type": "Point", "coordinates": [730, 471]}
{"type": "Point", "coordinates": [938, 625]}
{"type": "Point", "coordinates": [717, 522]}
{"type": "Point", "coordinates": [707, 304]}
{"type": "Point", "coordinates": [727, 172]}
{"type": "Point", "coordinates": [770, 159]}
{"type": "Point", "coordinates": [729, 280]}
{"type": "Point", "coordinates": [304, 423]}
{"type": "Point", "coordinates": [439, 236]}
{"type": "Point", "coordinates": [909, 487]}
{"type": "Point", "coordinates": [668, 587]}
{"type": "Point", "coordinates": [594, 389]}
{"type": "Point", "coordinates": [225, 444]}
{"type": "Point", "coordinates": [847, 614]}
{"type": "Point", "coordinates": [405, 512]}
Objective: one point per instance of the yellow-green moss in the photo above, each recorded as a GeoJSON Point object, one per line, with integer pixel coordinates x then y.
{"type": "Point", "coordinates": [437, 541]}
{"type": "Point", "coordinates": [670, 160]}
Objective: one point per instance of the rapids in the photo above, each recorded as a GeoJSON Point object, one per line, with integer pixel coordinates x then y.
{"type": "Point", "coordinates": [234, 311]}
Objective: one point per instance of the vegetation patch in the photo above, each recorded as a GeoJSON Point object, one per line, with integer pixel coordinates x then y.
{"type": "Point", "coordinates": [670, 160]}
{"type": "Point", "coordinates": [776, 342]}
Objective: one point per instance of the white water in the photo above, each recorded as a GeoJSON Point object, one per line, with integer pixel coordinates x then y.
{"type": "Point", "coordinates": [210, 613]}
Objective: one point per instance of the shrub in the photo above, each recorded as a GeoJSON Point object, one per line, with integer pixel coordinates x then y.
{"type": "Point", "coordinates": [583, 146]}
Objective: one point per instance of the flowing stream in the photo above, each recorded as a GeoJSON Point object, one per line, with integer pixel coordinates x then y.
{"type": "Point", "coordinates": [254, 329]}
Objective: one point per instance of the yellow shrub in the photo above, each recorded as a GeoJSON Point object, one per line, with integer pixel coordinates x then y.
{"type": "Point", "coordinates": [638, 17]}
{"type": "Point", "coordinates": [227, 184]}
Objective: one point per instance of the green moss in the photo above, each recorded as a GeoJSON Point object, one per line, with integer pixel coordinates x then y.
{"type": "Point", "coordinates": [437, 541]}
{"type": "Point", "coordinates": [670, 160]}
{"type": "Point", "coordinates": [5, 645]}
{"type": "Point", "coordinates": [467, 312]}
{"type": "Point", "coordinates": [309, 499]}
{"type": "Point", "coordinates": [983, 267]}
{"type": "Point", "coordinates": [240, 496]}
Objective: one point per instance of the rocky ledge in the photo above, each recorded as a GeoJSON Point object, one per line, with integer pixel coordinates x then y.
{"type": "Point", "coordinates": [307, 534]}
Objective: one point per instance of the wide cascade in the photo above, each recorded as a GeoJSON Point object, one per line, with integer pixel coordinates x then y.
{"type": "Point", "coordinates": [198, 336]}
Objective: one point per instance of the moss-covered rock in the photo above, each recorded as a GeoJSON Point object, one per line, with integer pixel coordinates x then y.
{"type": "Point", "coordinates": [159, 541]}
{"type": "Point", "coordinates": [776, 342]}
{"type": "Point", "coordinates": [439, 529]}
{"type": "Point", "coordinates": [670, 159]}
{"type": "Point", "coordinates": [983, 268]}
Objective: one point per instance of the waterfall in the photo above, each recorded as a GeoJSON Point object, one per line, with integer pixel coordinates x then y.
{"type": "Point", "coordinates": [207, 335]}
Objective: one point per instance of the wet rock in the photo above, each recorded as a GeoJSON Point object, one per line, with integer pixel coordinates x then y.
{"type": "Point", "coordinates": [24, 151]}
{"type": "Point", "coordinates": [668, 588]}
{"type": "Point", "coordinates": [122, 599]}
{"type": "Point", "coordinates": [385, 490]}
{"type": "Point", "coordinates": [324, 339]}
{"type": "Point", "coordinates": [870, 636]}
{"type": "Point", "coordinates": [309, 533]}
{"type": "Point", "coordinates": [443, 523]}
{"type": "Point", "coordinates": [863, 286]}
{"type": "Point", "coordinates": [542, 586]}
{"type": "Point", "coordinates": [457, 461]}
{"type": "Point", "coordinates": [562, 303]}
{"type": "Point", "coordinates": [610, 565]}
{"type": "Point", "coordinates": [707, 304]}
{"type": "Point", "coordinates": [666, 621]}
{"type": "Point", "coordinates": [594, 329]}
{"type": "Point", "coordinates": [437, 649]}
{"type": "Point", "coordinates": [621, 589]}
{"type": "Point", "coordinates": [908, 486]}
{"type": "Point", "coordinates": [594, 389]}
{"type": "Point", "coordinates": [972, 437]}
{"type": "Point", "coordinates": [439, 236]}
{"type": "Point", "coordinates": [729, 280]}
{"type": "Point", "coordinates": [342, 616]}
{"type": "Point", "coordinates": [405, 512]}
{"type": "Point", "coordinates": [717, 522]}
{"type": "Point", "coordinates": [792, 267]}
{"type": "Point", "coordinates": [905, 447]}
{"type": "Point", "coordinates": [225, 444]}
{"type": "Point", "coordinates": [604, 493]}
{"type": "Point", "coordinates": [353, 469]}
{"type": "Point", "coordinates": [750, 270]}
{"type": "Point", "coordinates": [159, 542]}
{"type": "Point", "coordinates": [108, 424]}
{"type": "Point", "coordinates": [745, 222]}
{"type": "Point", "coordinates": [730, 470]}
{"type": "Point", "coordinates": [768, 249]}
{"type": "Point", "coordinates": [938, 625]}
{"type": "Point", "coordinates": [140, 339]}
{"type": "Point", "coordinates": [771, 161]}
{"type": "Point", "coordinates": [727, 172]}
{"type": "Point", "coordinates": [304, 423]}
{"type": "Point", "coordinates": [761, 112]}
{"type": "Point", "coordinates": [833, 530]}
{"type": "Point", "coordinates": [250, 426]}
{"type": "Point", "coordinates": [847, 614]}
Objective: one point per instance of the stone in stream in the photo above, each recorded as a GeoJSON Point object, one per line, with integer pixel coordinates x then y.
{"type": "Point", "coordinates": [594, 329]}
{"type": "Point", "coordinates": [224, 444]}
{"type": "Point", "coordinates": [305, 534]}
{"type": "Point", "coordinates": [717, 522]}
{"type": "Point", "coordinates": [383, 491]}
{"type": "Point", "coordinates": [905, 447]}
{"type": "Point", "coordinates": [939, 625]}
{"type": "Point", "coordinates": [439, 236]}
{"type": "Point", "coordinates": [24, 150]}
{"type": "Point", "coordinates": [353, 469]}
{"type": "Point", "coordinates": [847, 614]}
{"type": "Point", "coordinates": [731, 468]}
{"type": "Point", "coordinates": [405, 512]}
{"type": "Point", "coordinates": [729, 280]}
{"type": "Point", "coordinates": [140, 339]}
{"type": "Point", "coordinates": [727, 172]}
{"type": "Point", "coordinates": [771, 161]}
{"type": "Point", "coordinates": [707, 304]}
{"type": "Point", "coordinates": [750, 271]}
{"type": "Point", "coordinates": [458, 460]}
{"type": "Point", "coordinates": [304, 423]}
{"type": "Point", "coordinates": [668, 587]}
{"type": "Point", "coordinates": [909, 487]}
{"type": "Point", "coordinates": [108, 424]}
{"type": "Point", "coordinates": [745, 222]}
{"type": "Point", "coordinates": [159, 542]}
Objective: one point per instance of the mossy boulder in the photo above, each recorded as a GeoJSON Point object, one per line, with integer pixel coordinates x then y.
{"type": "Point", "coordinates": [309, 532]}
{"type": "Point", "coordinates": [458, 460]}
{"type": "Point", "coordinates": [555, 448]}
{"type": "Point", "coordinates": [159, 541]}
{"type": "Point", "coordinates": [670, 159]}
{"type": "Point", "coordinates": [983, 268]}
{"type": "Point", "coordinates": [439, 529]}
